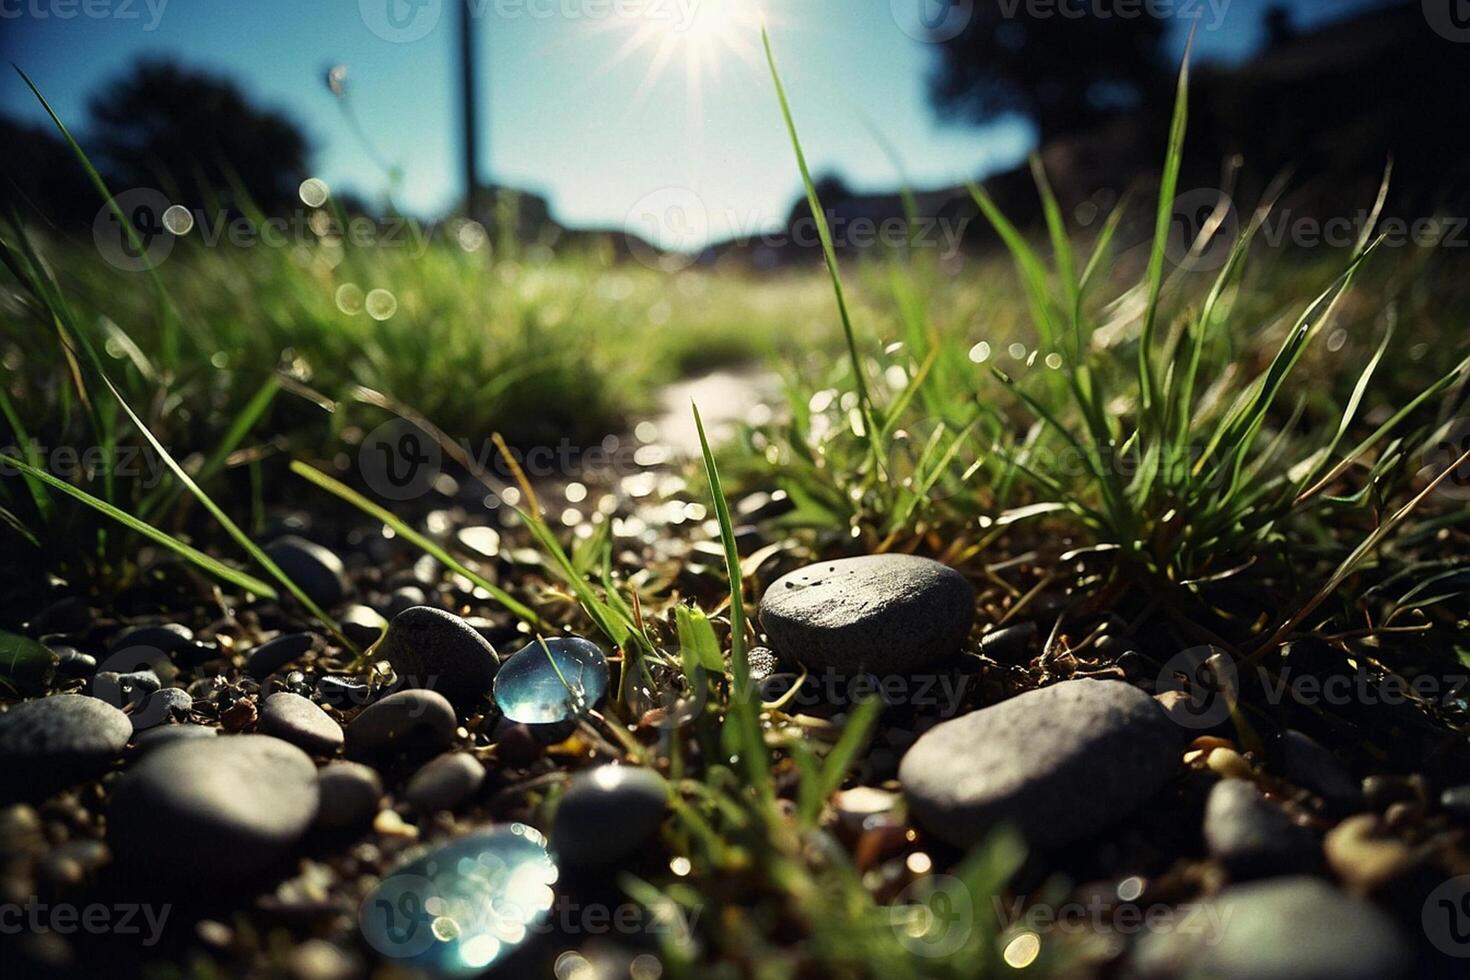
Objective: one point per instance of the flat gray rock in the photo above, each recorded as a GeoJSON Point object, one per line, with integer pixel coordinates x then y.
{"type": "Point", "coordinates": [350, 794]}
{"type": "Point", "coordinates": [1058, 763]}
{"type": "Point", "coordinates": [157, 738]}
{"type": "Point", "coordinates": [408, 719]}
{"type": "Point", "coordinates": [1296, 928]}
{"type": "Point", "coordinates": [882, 614]}
{"type": "Point", "coordinates": [65, 736]}
{"type": "Point", "coordinates": [608, 813]}
{"type": "Point", "coordinates": [162, 707]}
{"type": "Point", "coordinates": [217, 808]}
{"type": "Point", "coordinates": [434, 649]}
{"type": "Point", "coordinates": [445, 782]}
{"type": "Point", "coordinates": [301, 722]}
{"type": "Point", "coordinates": [1252, 836]}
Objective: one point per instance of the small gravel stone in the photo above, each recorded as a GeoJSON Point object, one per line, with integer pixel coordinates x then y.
{"type": "Point", "coordinates": [301, 722]}
{"type": "Point", "coordinates": [445, 782]}
{"type": "Point", "coordinates": [1059, 763]}
{"type": "Point", "coordinates": [162, 708]}
{"type": "Point", "coordinates": [1253, 837]}
{"type": "Point", "coordinates": [317, 571]}
{"type": "Point", "coordinates": [413, 718]}
{"type": "Point", "coordinates": [276, 653]}
{"type": "Point", "coordinates": [167, 638]}
{"type": "Point", "coordinates": [350, 794]}
{"type": "Point", "coordinates": [1295, 928]}
{"type": "Point", "coordinates": [1010, 644]}
{"type": "Point", "coordinates": [607, 813]}
{"type": "Point", "coordinates": [343, 692]}
{"type": "Point", "coordinates": [404, 598]}
{"type": "Point", "coordinates": [1312, 767]}
{"type": "Point", "coordinates": [434, 649]}
{"type": "Point", "coordinates": [213, 809]}
{"type": "Point", "coordinates": [517, 746]}
{"type": "Point", "coordinates": [71, 662]}
{"type": "Point", "coordinates": [882, 614]}
{"type": "Point", "coordinates": [54, 740]}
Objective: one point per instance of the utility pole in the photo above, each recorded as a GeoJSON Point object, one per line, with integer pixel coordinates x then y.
{"type": "Point", "coordinates": [468, 122]}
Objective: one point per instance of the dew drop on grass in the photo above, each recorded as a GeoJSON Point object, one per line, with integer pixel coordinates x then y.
{"type": "Point", "coordinates": [178, 219]}
{"type": "Point", "coordinates": [980, 353]}
{"type": "Point", "coordinates": [380, 304]}
{"type": "Point", "coordinates": [551, 681]}
{"type": "Point", "coordinates": [313, 192]}
{"type": "Point", "coordinates": [455, 909]}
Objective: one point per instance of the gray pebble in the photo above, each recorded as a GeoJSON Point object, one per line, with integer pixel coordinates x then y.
{"type": "Point", "coordinates": [216, 809]}
{"type": "Point", "coordinates": [60, 738]}
{"type": "Point", "coordinates": [315, 569]}
{"type": "Point", "coordinates": [163, 735]}
{"type": "Point", "coordinates": [301, 722]}
{"type": "Point", "coordinates": [276, 653]}
{"type": "Point", "coordinates": [1253, 837]}
{"type": "Point", "coordinates": [350, 794]}
{"type": "Point", "coordinates": [881, 614]}
{"type": "Point", "coordinates": [1295, 928]}
{"type": "Point", "coordinates": [434, 649]}
{"type": "Point", "coordinates": [608, 813]}
{"type": "Point", "coordinates": [1311, 766]}
{"type": "Point", "coordinates": [445, 782]}
{"type": "Point", "coordinates": [413, 718]}
{"type": "Point", "coordinates": [162, 708]}
{"type": "Point", "coordinates": [362, 624]}
{"type": "Point", "coordinates": [1058, 763]}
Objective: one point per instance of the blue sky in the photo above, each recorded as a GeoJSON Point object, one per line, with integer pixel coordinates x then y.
{"type": "Point", "coordinates": [570, 106]}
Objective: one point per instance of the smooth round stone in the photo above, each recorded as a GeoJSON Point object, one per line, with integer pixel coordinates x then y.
{"type": "Point", "coordinates": [445, 782]}
{"type": "Point", "coordinates": [1308, 764]}
{"type": "Point", "coordinates": [434, 649]}
{"type": "Point", "coordinates": [315, 569]}
{"type": "Point", "coordinates": [1295, 928]}
{"type": "Point", "coordinates": [402, 599]}
{"type": "Point", "coordinates": [1058, 763]}
{"type": "Point", "coordinates": [1456, 802]}
{"type": "Point", "coordinates": [350, 793]}
{"type": "Point", "coordinates": [167, 638]}
{"type": "Point", "coordinates": [529, 690]}
{"type": "Point", "coordinates": [162, 708]}
{"type": "Point", "coordinates": [608, 813]}
{"type": "Point", "coordinates": [1253, 837]}
{"type": "Point", "coordinates": [413, 718]}
{"type": "Point", "coordinates": [155, 738]}
{"type": "Point", "coordinates": [218, 808]}
{"type": "Point", "coordinates": [881, 614]}
{"type": "Point", "coordinates": [63, 737]}
{"type": "Point", "coordinates": [459, 908]}
{"type": "Point", "coordinates": [71, 662]}
{"type": "Point", "coordinates": [343, 692]}
{"type": "Point", "coordinates": [301, 722]}
{"type": "Point", "coordinates": [276, 653]}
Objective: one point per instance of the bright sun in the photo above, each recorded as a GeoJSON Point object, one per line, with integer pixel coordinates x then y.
{"type": "Point", "coordinates": [698, 32]}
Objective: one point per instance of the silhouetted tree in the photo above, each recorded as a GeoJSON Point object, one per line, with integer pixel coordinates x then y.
{"type": "Point", "coordinates": [196, 135]}
{"type": "Point", "coordinates": [1061, 65]}
{"type": "Point", "coordinates": [40, 176]}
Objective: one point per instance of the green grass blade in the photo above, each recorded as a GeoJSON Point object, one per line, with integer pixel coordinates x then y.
{"type": "Point", "coordinates": [193, 555]}
{"type": "Point", "coordinates": [829, 254]}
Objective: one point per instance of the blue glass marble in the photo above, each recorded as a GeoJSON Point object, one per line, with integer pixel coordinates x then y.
{"type": "Point", "coordinates": [456, 909]}
{"type": "Point", "coordinates": [529, 690]}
